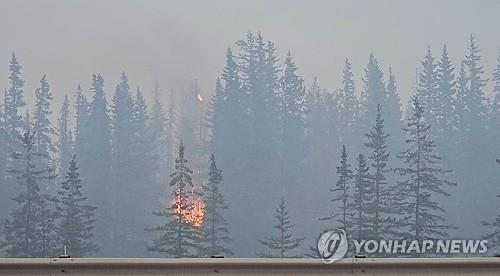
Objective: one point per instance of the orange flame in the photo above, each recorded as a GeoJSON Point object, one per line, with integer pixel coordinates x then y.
{"type": "Point", "coordinates": [195, 211]}
{"type": "Point", "coordinates": [199, 97]}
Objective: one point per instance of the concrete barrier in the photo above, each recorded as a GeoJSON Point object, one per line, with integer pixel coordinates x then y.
{"type": "Point", "coordinates": [234, 266]}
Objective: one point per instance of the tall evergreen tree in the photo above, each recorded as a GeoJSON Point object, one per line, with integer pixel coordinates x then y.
{"type": "Point", "coordinates": [362, 200]}
{"type": "Point", "coordinates": [427, 89]}
{"type": "Point", "coordinates": [421, 215]}
{"type": "Point", "coordinates": [42, 126]}
{"type": "Point", "coordinates": [447, 122]}
{"type": "Point", "coordinates": [342, 193]}
{"type": "Point", "coordinates": [494, 117]}
{"type": "Point", "coordinates": [29, 232]}
{"type": "Point", "coordinates": [177, 237]}
{"type": "Point", "coordinates": [293, 131]}
{"type": "Point", "coordinates": [13, 125]}
{"type": "Point", "coordinates": [158, 130]}
{"type": "Point", "coordinates": [349, 108]}
{"type": "Point", "coordinates": [82, 109]}
{"type": "Point", "coordinates": [65, 139]}
{"type": "Point", "coordinates": [14, 102]}
{"type": "Point", "coordinates": [392, 113]}
{"type": "Point", "coordinates": [373, 94]}
{"type": "Point", "coordinates": [280, 245]}
{"type": "Point", "coordinates": [380, 207]}
{"type": "Point", "coordinates": [76, 218]}
{"type": "Point", "coordinates": [215, 228]}
{"type": "Point", "coordinates": [95, 164]}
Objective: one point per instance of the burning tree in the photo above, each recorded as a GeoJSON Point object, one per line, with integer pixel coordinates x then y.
{"type": "Point", "coordinates": [180, 235]}
{"type": "Point", "coordinates": [281, 244]}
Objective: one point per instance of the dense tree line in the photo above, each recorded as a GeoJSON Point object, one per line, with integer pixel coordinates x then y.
{"type": "Point", "coordinates": [275, 136]}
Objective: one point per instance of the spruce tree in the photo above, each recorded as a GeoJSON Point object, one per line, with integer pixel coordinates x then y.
{"type": "Point", "coordinates": [373, 93]}
{"type": "Point", "coordinates": [421, 215]}
{"type": "Point", "coordinates": [65, 139]}
{"type": "Point", "coordinates": [42, 126]}
{"type": "Point", "coordinates": [427, 89]}
{"type": "Point", "coordinates": [95, 164]}
{"type": "Point", "coordinates": [447, 92]}
{"type": "Point", "coordinates": [12, 127]}
{"type": "Point", "coordinates": [392, 113]}
{"type": "Point", "coordinates": [215, 228]}
{"type": "Point", "coordinates": [293, 129]}
{"type": "Point", "coordinates": [348, 107]}
{"type": "Point", "coordinates": [76, 218]}
{"type": "Point", "coordinates": [30, 230]}
{"type": "Point", "coordinates": [380, 207]}
{"type": "Point", "coordinates": [158, 130]}
{"type": "Point", "coordinates": [284, 241]}
{"type": "Point", "coordinates": [342, 193]}
{"type": "Point", "coordinates": [362, 200]}
{"type": "Point", "coordinates": [177, 237]}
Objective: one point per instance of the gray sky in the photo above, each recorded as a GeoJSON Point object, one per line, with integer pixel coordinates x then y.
{"type": "Point", "coordinates": [176, 42]}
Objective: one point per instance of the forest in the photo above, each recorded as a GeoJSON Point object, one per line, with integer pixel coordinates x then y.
{"type": "Point", "coordinates": [261, 167]}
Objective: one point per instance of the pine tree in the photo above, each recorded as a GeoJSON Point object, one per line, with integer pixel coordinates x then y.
{"type": "Point", "coordinates": [12, 127]}
{"type": "Point", "coordinates": [158, 130]}
{"type": "Point", "coordinates": [177, 237]}
{"type": "Point", "coordinates": [373, 93]}
{"type": "Point", "coordinates": [76, 218]}
{"type": "Point", "coordinates": [215, 228]}
{"type": "Point", "coordinates": [420, 214]}
{"type": "Point", "coordinates": [65, 139]}
{"type": "Point", "coordinates": [30, 230]}
{"type": "Point", "coordinates": [446, 91]}
{"type": "Point", "coordinates": [348, 107]}
{"type": "Point", "coordinates": [382, 192]}
{"type": "Point", "coordinates": [82, 109]}
{"type": "Point", "coordinates": [95, 164]}
{"type": "Point", "coordinates": [42, 126]}
{"type": "Point", "coordinates": [284, 241]}
{"type": "Point", "coordinates": [293, 131]}
{"type": "Point", "coordinates": [14, 101]}
{"type": "Point", "coordinates": [428, 89]}
{"type": "Point", "coordinates": [392, 113]}
{"type": "Point", "coordinates": [342, 193]}
{"type": "Point", "coordinates": [362, 200]}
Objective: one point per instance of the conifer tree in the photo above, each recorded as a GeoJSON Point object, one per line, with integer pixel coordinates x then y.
{"type": "Point", "coordinates": [12, 126]}
{"type": "Point", "coordinates": [177, 237]}
{"type": "Point", "coordinates": [284, 241]}
{"type": "Point", "coordinates": [42, 126]}
{"type": "Point", "coordinates": [373, 93]}
{"type": "Point", "coordinates": [95, 164]}
{"type": "Point", "coordinates": [380, 207]}
{"type": "Point", "coordinates": [76, 218]}
{"type": "Point", "coordinates": [158, 130]}
{"type": "Point", "coordinates": [293, 129]}
{"type": "Point", "coordinates": [215, 228]}
{"type": "Point", "coordinates": [348, 107]}
{"type": "Point", "coordinates": [65, 139]}
{"type": "Point", "coordinates": [362, 200]}
{"type": "Point", "coordinates": [447, 123]}
{"type": "Point", "coordinates": [423, 179]}
{"type": "Point", "coordinates": [82, 109]}
{"type": "Point", "coordinates": [427, 89]}
{"type": "Point", "coordinates": [30, 230]}
{"type": "Point", "coordinates": [392, 113]}
{"type": "Point", "coordinates": [342, 193]}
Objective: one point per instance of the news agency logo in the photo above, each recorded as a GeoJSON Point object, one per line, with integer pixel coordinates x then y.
{"type": "Point", "coordinates": [333, 245]}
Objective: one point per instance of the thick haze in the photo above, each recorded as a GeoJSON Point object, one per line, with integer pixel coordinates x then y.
{"type": "Point", "coordinates": [176, 42]}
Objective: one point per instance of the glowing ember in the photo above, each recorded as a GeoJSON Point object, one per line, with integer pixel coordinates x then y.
{"type": "Point", "coordinates": [194, 212]}
{"type": "Point", "coordinates": [199, 97]}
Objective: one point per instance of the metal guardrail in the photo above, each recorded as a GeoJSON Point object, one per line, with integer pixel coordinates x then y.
{"type": "Point", "coordinates": [237, 266]}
